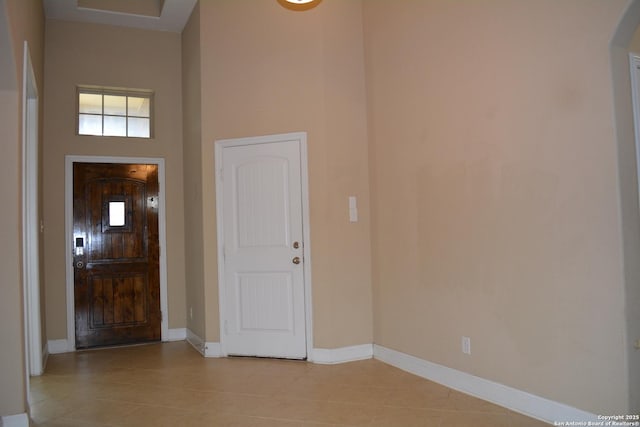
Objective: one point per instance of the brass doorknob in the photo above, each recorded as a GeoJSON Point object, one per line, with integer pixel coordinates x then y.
{"type": "Point", "coordinates": [296, 260]}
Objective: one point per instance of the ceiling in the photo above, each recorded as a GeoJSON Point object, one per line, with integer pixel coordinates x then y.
{"type": "Point", "coordinates": [160, 15]}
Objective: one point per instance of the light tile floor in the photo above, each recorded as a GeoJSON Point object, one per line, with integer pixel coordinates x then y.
{"type": "Point", "coordinates": [172, 385]}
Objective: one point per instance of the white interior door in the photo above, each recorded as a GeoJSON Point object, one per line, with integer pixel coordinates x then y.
{"type": "Point", "coordinates": [264, 311]}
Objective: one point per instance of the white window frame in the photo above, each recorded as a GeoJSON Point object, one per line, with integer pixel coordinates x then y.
{"type": "Point", "coordinates": [137, 93]}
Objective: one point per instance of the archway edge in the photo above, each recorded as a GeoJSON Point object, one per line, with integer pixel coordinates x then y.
{"type": "Point", "coordinates": [627, 26]}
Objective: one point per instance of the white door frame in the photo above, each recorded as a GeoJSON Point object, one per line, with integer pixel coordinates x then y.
{"type": "Point", "coordinates": [31, 219]}
{"type": "Point", "coordinates": [162, 236]}
{"type": "Point", "coordinates": [301, 137]}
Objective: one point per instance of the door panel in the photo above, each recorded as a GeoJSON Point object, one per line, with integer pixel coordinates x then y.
{"type": "Point", "coordinates": [265, 302]}
{"type": "Point", "coordinates": [116, 259]}
{"type": "Point", "coordinates": [262, 218]}
{"type": "Point", "coordinates": [262, 203]}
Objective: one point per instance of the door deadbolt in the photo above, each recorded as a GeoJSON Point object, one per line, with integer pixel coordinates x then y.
{"type": "Point", "coordinates": [296, 260]}
{"type": "Point", "coordinates": [79, 265]}
{"type": "Point", "coordinates": [296, 245]}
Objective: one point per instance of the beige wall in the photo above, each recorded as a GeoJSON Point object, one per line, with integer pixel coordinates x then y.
{"type": "Point", "coordinates": [193, 179]}
{"type": "Point", "coordinates": [12, 392]}
{"type": "Point", "coordinates": [19, 21]}
{"type": "Point", "coordinates": [102, 55]}
{"type": "Point", "coordinates": [12, 369]}
{"type": "Point", "coordinates": [494, 169]}
{"type": "Point", "coordinates": [267, 70]}
{"type": "Point", "coordinates": [624, 41]}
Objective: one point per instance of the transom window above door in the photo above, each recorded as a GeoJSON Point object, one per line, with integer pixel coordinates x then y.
{"type": "Point", "coordinates": [115, 112]}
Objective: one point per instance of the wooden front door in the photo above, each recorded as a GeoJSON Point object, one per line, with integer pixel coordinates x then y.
{"type": "Point", "coordinates": [116, 254]}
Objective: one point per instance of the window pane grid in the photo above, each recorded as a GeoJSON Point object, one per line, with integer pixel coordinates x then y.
{"type": "Point", "coordinates": [119, 114]}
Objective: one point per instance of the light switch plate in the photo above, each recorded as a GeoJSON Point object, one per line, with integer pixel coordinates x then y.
{"type": "Point", "coordinates": [466, 345]}
{"type": "Point", "coordinates": [353, 209]}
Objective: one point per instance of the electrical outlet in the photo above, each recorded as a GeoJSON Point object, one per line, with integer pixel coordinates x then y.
{"type": "Point", "coordinates": [466, 345]}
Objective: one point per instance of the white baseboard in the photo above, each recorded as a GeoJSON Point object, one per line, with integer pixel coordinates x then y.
{"type": "Point", "coordinates": [58, 346]}
{"type": "Point", "coordinates": [177, 334]}
{"type": "Point", "coordinates": [195, 341]}
{"type": "Point", "coordinates": [332, 356]}
{"type": "Point", "coordinates": [207, 349]}
{"type": "Point", "coordinates": [212, 349]}
{"type": "Point", "coordinates": [510, 398]}
{"type": "Point", "coordinates": [20, 420]}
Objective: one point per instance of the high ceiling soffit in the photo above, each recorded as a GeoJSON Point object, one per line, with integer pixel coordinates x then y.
{"type": "Point", "coordinates": [160, 15]}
